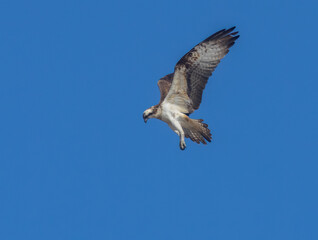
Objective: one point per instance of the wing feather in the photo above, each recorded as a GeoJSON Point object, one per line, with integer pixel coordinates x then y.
{"type": "Point", "coordinates": [164, 85]}
{"type": "Point", "coordinates": [194, 69]}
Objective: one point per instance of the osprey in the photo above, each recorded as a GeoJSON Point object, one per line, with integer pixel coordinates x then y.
{"type": "Point", "coordinates": [181, 91]}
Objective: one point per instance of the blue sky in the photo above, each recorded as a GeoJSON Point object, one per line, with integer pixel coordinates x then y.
{"type": "Point", "coordinates": [78, 162]}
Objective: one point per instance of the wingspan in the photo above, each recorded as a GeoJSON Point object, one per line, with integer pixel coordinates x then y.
{"type": "Point", "coordinates": [194, 69]}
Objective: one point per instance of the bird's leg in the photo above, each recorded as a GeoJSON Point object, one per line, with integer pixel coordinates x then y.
{"type": "Point", "coordinates": [182, 142]}
{"type": "Point", "coordinates": [178, 130]}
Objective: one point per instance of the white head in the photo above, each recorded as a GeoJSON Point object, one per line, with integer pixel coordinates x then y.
{"type": "Point", "coordinates": [150, 113]}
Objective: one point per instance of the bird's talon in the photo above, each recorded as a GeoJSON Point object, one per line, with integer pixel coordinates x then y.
{"type": "Point", "coordinates": [182, 145]}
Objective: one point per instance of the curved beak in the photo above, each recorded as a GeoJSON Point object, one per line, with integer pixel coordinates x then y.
{"type": "Point", "coordinates": [145, 118]}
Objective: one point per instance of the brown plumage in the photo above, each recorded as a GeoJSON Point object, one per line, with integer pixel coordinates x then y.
{"type": "Point", "coordinates": [200, 62]}
{"type": "Point", "coordinates": [181, 91]}
{"type": "Point", "coordinates": [164, 85]}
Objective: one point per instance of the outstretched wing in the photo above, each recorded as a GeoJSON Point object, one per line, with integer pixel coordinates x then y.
{"type": "Point", "coordinates": [194, 69]}
{"type": "Point", "coordinates": [164, 85]}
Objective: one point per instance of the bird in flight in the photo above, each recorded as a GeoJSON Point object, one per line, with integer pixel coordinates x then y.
{"type": "Point", "coordinates": [181, 91]}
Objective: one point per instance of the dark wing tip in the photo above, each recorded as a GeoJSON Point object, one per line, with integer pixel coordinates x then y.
{"type": "Point", "coordinates": [233, 38]}
{"type": "Point", "coordinates": [215, 35]}
{"type": "Point", "coordinates": [229, 30]}
{"type": "Point", "coordinates": [222, 34]}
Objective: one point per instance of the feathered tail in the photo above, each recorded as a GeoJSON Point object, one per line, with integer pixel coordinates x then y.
{"type": "Point", "coordinates": [197, 131]}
